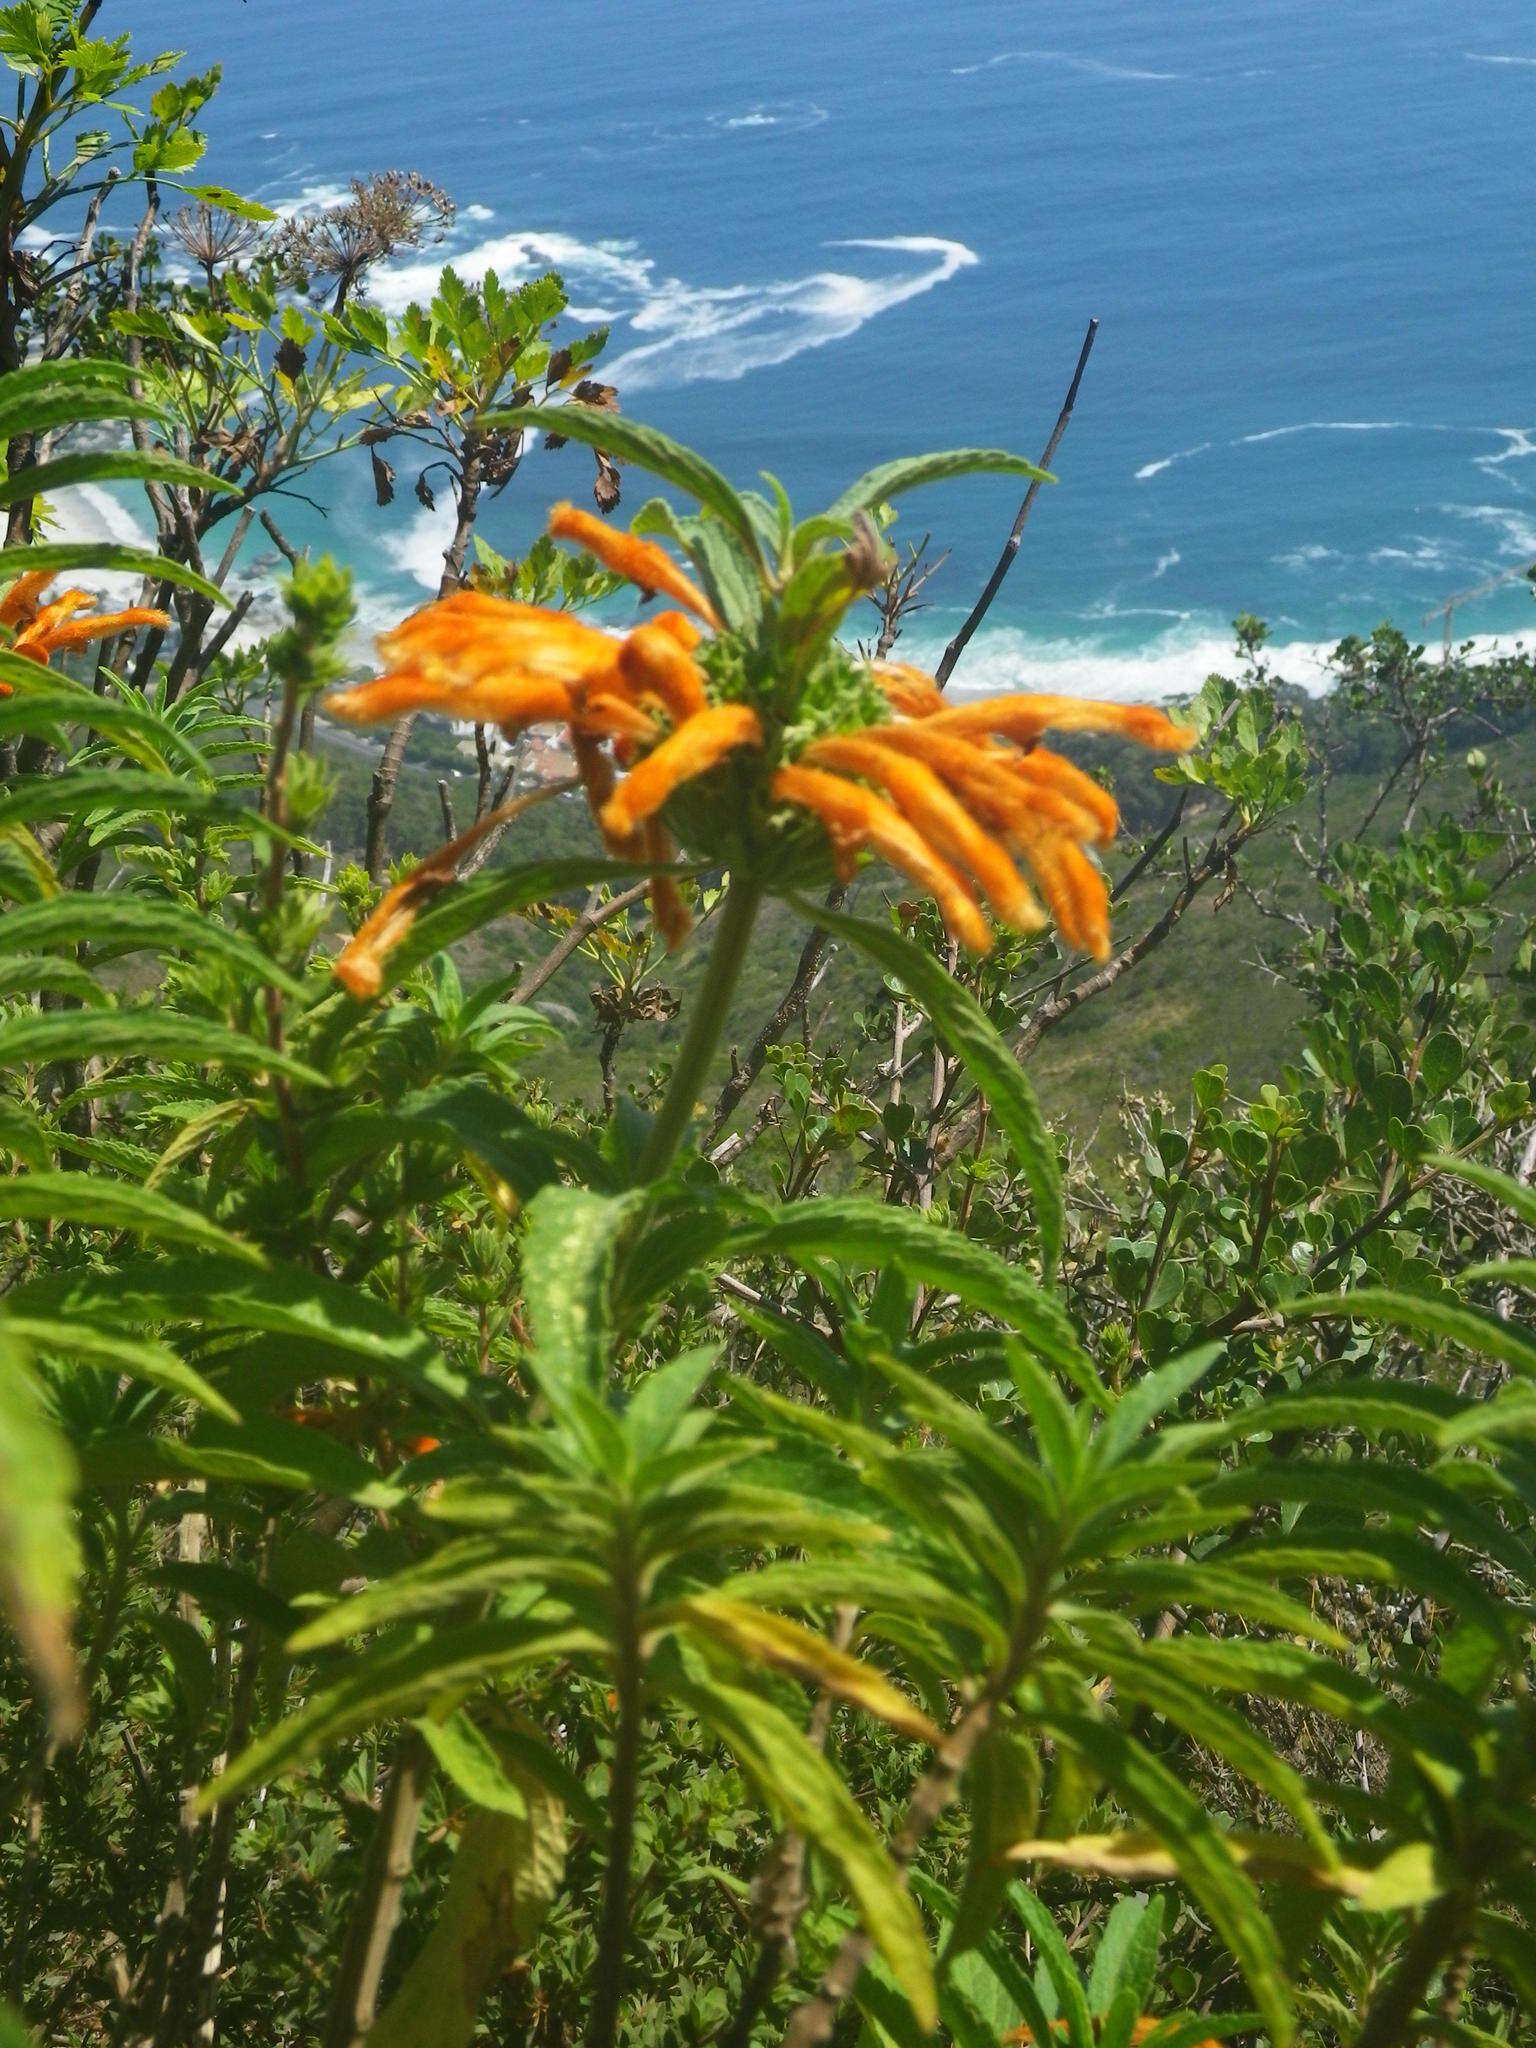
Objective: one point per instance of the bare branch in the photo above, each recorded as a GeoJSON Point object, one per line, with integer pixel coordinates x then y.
{"type": "Point", "coordinates": [956, 647]}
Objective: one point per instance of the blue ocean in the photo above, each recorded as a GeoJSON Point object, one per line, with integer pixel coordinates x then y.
{"type": "Point", "coordinates": [830, 231]}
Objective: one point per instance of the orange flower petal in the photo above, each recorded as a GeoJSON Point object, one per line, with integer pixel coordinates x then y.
{"type": "Point", "coordinates": [608, 716]}
{"type": "Point", "coordinates": [668, 909]}
{"type": "Point", "coordinates": [39, 632]}
{"type": "Point", "coordinates": [680, 626]}
{"type": "Point", "coordinates": [598, 781]}
{"type": "Point", "coordinates": [1026, 715]}
{"type": "Point", "coordinates": [928, 805]}
{"type": "Point", "coordinates": [21, 601]}
{"type": "Point", "coordinates": [646, 565]}
{"type": "Point", "coordinates": [508, 700]}
{"type": "Point", "coordinates": [1042, 769]}
{"type": "Point", "coordinates": [360, 964]}
{"type": "Point", "coordinates": [653, 664]}
{"type": "Point", "coordinates": [911, 691]}
{"type": "Point", "coordinates": [692, 750]}
{"type": "Point", "coordinates": [857, 817]}
{"type": "Point", "coordinates": [980, 775]}
{"type": "Point", "coordinates": [470, 634]}
{"type": "Point", "coordinates": [1071, 884]}
{"type": "Point", "coordinates": [80, 632]}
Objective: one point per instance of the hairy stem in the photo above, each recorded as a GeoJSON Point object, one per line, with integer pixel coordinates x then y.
{"type": "Point", "coordinates": [711, 1006]}
{"type": "Point", "coordinates": [613, 1928]}
{"type": "Point", "coordinates": [390, 1855]}
{"type": "Point", "coordinates": [1390, 2021]}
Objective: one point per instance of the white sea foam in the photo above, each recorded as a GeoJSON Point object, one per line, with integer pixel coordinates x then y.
{"type": "Point", "coordinates": [792, 115]}
{"type": "Point", "coordinates": [1151, 469]}
{"type": "Point", "coordinates": [1165, 562]}
{"type": "Point", "coordinates": [1307, 556]}
{"type": "Point", "coordinates": [1423, 554]}
{"type": "Point", "coordinates": [416, 549]}
{"type": "Point", "coordinates": [1321, 427]}
{"type": "Point", "coordinates": [1173, 665]}
{"type": "Point", "coordinates": [679, 332]}
{"type": "Point", "coordinates": [1497, 57]}
{"type": "Point", "coordinates": [1518, 444]}
{"type": "Point", "coordinates": [315, 197]}
{"type": "Point", "coordinates": [84, 513]}
{"type": "Point", "coordinates": [1096, 67]}
{"type": "Point", "coordinates": [1516, 530]}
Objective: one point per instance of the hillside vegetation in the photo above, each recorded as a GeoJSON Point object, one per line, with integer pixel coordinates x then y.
{"type": "Point", "coordinates": [866, 1381]}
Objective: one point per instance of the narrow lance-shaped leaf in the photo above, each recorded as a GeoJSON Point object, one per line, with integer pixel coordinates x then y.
{"type": "Point", "coordinates": [627, 440]}
{"type": "Point", "coordinates": [115, 924]}
{"type": "Point", "coordinates": [80, 555]}
{"type": "Point", "coordinates": [800, 1781]}
{"type": "Point", "coordinates": [140, 1358]}
{"type": "Point", "coordinates": [908, 473]}
{"type": "Point", "coordinates": [108, 466]}
{"type": "Point", "coordinates": [1516, 1195]}
{"type": "Point", "coordinates": [45, 701]}
{"type": "Point", "coordinates": [1425, 1315]}
{"type": "Point", "coordinates": [144, 1033]}
{"type": "Point", "coordinates": [853, 1228]}
{"type": "Point", "coordinates": [102, 1204]}
{"type": "Point", "coordinates": [506, 1872]}
{"type": "Point", "coordinates": [1200, 1851]}
{"type": "Point", "coordinates": [963, 1026]}
{"type": "Point", "coordinates": [39, 1555]}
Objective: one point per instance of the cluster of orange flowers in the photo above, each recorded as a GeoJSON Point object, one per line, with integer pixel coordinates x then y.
{"type": "Point", "coordinates": [43, 630]}
{"type": "Point", "coordinates": [956, 796]}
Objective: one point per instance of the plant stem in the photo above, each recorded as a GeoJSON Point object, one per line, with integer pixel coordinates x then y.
{"type": "Point", "coordinates": [613, 1930]}
{"type": "Point", "coordinates": [711, 1006]}
{"type": "Point", "coordinates": [1390, 2021]}
{"type": "Point", "coordinates": [388, 1865]}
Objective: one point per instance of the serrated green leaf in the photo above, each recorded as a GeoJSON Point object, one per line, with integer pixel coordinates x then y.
{"type": "Point", "coordinates": [97, 1203]}
{"type": "Point", "coordinates": [799, 1781]}
{"type": "Point", "coordinates": [627, 440]}
{"type": "Point", "coordinates": [1200, 1853]}
{"type": "Point", "coordinates": [1441, 1319]}
{"type": "Point", "coordinates": [145, 1032]}
{"type": "Point", "coordinates": [78, 555]}
{"type": "Point", "coordinates": [856, 1229]}
{"type": "Point", "coordinates": [39, 1552]}
{"type": "Point", "coordinates": [108, 466]}
{"type": "Point", "coordinates": [908, 473]}
{"type": "Point", "coordinates": [962, 1024]}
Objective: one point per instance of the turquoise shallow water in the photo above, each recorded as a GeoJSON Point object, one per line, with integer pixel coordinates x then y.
{"type": "Point", "coordinates": [826, 233]}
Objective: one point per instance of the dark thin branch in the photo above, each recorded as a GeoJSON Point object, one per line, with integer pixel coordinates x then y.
{"type": "Point", "coordinates": [224, 635]}
{"type": "Point", "coordinates": [595, 915]}
{"type": "Point", "coordinates": [280, 540]}
{"type": "Point", "coordinates": [956, 647]}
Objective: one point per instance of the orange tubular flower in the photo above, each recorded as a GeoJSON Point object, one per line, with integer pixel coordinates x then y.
{"type": "Point", "coordinates": [654, 665]}
{"type": "Point", "coordinates": [49, 629]}
{"type": "Point", "coordinates": [961, 798]}
{"type": "Point", "coordinates": [857, 818]}
{"type": "Point", "coordinates": [1144, 2026]}
{"type": "Point", "coordinates": [360, 964]}
{"type": "Point", "coordinates": [698, 743]}
{"type": "Point", "coordinates": [1033, 802]}
{"type": "Point", "coordinates": [939, 816]}
{"type": "Point", "coordinates": [647, 566]}
{"type": "Point", "coordinates": [20, 604]}
{"type": "Point", "coordinates": [1026, 716]}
